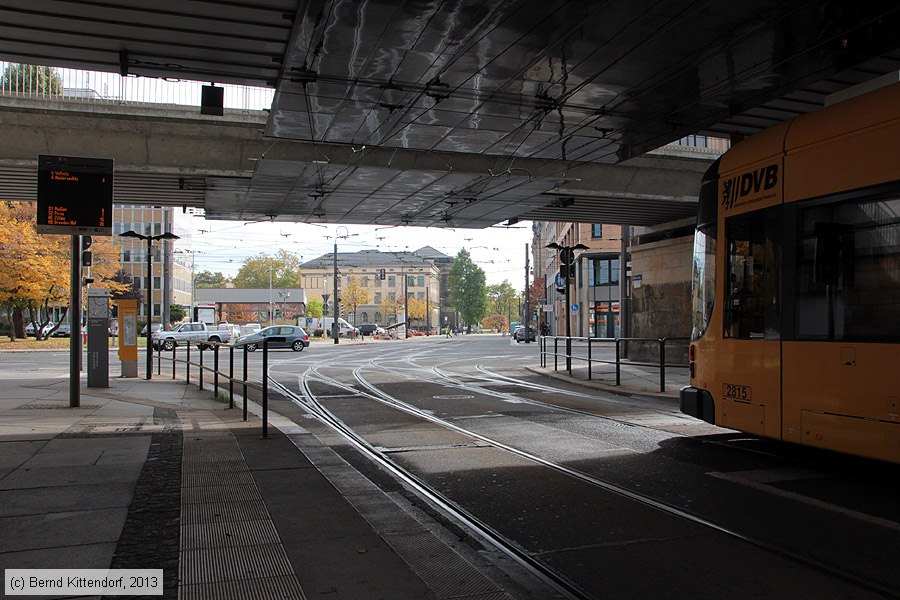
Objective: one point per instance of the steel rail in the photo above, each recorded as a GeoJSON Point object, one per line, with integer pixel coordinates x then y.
{"type": "Point", "coordinates": [554, 579]}
{"type": "Point", "coordinates": [806, 561]}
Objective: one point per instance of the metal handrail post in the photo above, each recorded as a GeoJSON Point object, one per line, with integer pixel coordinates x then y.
{"type": "Point", "coordinates": [662, 365]}
{"type": "Point", "coordinates": [245, 382]}
{"type": "Point", "coordinates": [569, 354]}
{"type": "Point", "coordinates": [265, 390]}
{"type": "Point", "coordinates": [159, 360]}
{"type": "Point", "coordinates": [556, 354]}
{"type": "Point", "coordinates": [231, 377]}
{"type": "Point", "coordinates": [173, 361]}
{"type": "Point", "coordinates": [187, 365]}
{"type": "Point", "coordinates": [618, 365]}
{"type": "Point", "coordinates": [216, 371]}
{"type": "Point", "coordinates": [200, 348]}
{"type": "Point", "coordinates": [589, 359]}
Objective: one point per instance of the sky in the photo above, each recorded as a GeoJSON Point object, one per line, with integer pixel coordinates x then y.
{"type": "Point", "coordinates": [222, 246]}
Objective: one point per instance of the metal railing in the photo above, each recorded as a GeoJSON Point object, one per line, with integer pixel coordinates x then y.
{"type": "Point", "coordinates": [75, 85]}
{"type": "Point", "coordinates": [244, 381]}
{"type": "Point", "coordinates": [621, 351]}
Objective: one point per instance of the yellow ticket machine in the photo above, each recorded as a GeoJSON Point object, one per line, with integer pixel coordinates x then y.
{"type": "Point", "coordinates": [128, 334]}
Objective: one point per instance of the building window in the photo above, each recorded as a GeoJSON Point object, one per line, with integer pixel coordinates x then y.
{"type": "Point", "coordinates": [378, 317]}
{"type": "Point", "coordinates": [603, 271]}
{"type": "Point", "coordinates": [363, 317]}
{"type": "Point", "coordinates": [156, 283]}
{"type": "Point", "coordinates": [126, 255]}
{"type": "Point", "coordinates": [157, 311]}
{"type": "Point", "coordinates": [421, 281]}
{"type": "Point", "coordinates": [392, 281]}
{"type": "Point", "coordinates": [377, 298]}
{"type": "Point", "coordinates": [420, 295]}
{"type": "Point", "coordinates": [597, 230]}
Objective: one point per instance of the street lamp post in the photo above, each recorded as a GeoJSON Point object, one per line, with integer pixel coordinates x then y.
{"type": "Point", "coordinates": [164, 236]}
{"type": "Point", "coordinates": [567, 264]}
{"type": "Point", "coordinates": [335, 330]}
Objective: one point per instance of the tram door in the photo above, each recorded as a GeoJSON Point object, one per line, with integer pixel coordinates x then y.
{"type": "Point", "coordinates": [750, 364]}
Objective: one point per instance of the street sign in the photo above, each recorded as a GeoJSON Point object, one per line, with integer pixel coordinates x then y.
{"type": "Point", "coordinates": [560, 280]}
{"type": "Point", "coordinates": [567, 256]}
{"type": "Point", "coordinates": [574, 307]}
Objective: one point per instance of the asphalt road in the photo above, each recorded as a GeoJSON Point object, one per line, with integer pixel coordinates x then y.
{"type": "Point", "coordinates": [621, 496]}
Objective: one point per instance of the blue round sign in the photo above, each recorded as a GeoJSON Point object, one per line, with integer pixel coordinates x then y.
{"type": "Point", "coordinates": [575, 306]}
{"type": "Point", "coordinates": [560, 280]}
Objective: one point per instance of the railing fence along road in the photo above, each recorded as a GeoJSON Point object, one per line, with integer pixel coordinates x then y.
{"type": "Point", "coordinates": [622, 351]}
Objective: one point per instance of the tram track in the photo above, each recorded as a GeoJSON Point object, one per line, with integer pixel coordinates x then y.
{"type": "Point", "coordinates": [364, 388]}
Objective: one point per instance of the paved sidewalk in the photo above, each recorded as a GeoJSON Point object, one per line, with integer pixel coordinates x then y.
{"type": "Point", "coordinates": [160, 475]}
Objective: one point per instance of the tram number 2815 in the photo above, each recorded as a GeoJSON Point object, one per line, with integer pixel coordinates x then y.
{"type": "Point", "coordinates": [736, 392]}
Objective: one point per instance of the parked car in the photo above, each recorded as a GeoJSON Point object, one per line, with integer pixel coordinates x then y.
{"type": "Point", "coordinates": [155, 327]}
{"type": "Point", "coordinates": [250, 328]}
{"type": "Point", "coordinates": [29, 329]}
{"type": "Point", "coordinates": [65, 330]}
{"type": "Point", "coordinates": [519, 334]}
{"type": "Point", "coordinates": [371, 329]}
{"type": "Point", "coordinates": [295, 338]}
{"type": "Point", "coordinates": [193, 333]}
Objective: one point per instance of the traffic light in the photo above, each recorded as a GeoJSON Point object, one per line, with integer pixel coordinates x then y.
{"type": "Point", "coordinates": [381, 274]}
{"type": "Point", "coordinates": [88, 280]}
{"type": "Point", "coordinates": [86, 242]}
{"type": "Point", "coordinates": [561, 290]}
{"type": "Point", "coordinates": [86, 258]}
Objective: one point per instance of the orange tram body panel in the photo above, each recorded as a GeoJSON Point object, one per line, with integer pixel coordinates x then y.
{"type": "Point", "coordinates": [796, 295]}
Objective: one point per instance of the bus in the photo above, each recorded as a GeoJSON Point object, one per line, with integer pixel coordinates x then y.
{"type": "Point", "coordinates": [796, 282]}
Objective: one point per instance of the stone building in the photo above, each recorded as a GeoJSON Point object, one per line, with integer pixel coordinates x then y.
{"type": "Point", "coordinates": [425, 272]}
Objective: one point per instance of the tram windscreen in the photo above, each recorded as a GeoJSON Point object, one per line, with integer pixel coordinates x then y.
{"type": "Point", "coordinates": [703, 279]}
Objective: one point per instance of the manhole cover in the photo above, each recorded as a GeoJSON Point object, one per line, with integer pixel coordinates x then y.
{"type": "Point", "coordinates": [453, 397]}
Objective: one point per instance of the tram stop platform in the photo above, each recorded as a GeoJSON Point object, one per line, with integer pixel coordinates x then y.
{"type": "Point", "coordinates": [160, 475]}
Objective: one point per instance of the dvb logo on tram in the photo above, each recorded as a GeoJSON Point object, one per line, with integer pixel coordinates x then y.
{"type": "Point", "coordinates": [747, 184]}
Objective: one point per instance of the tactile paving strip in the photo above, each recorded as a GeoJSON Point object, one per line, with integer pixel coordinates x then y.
{"type": "Point", "coordinates": [445, 571]}
{"type": "Point", "coordinates": [229, 545]}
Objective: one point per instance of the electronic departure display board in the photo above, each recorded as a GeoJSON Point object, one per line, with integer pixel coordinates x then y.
{"type": "Point", "coordinates": [75, 195]}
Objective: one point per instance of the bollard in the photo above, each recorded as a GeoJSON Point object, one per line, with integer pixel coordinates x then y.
{"type": "Point", "coordinates": [216, 371]}
{"type": "Point", "coordinates": [231, 377]}
{"type": "Point", "coordinates": [265, 390]}
{"type": "Point", "coordinates": [245, 383]}
{"type": "Point", "coordinates": [662, 365]}
{"type": "Point", "coordinates": [589, 359]}
{"type": "Point", "coordinates": [200, 349]}
{"type": "Point", "coordinates": [618, 366]}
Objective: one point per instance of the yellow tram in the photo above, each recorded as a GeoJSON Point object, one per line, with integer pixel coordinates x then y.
{"type": "Point", "coordinates": [796, 290]}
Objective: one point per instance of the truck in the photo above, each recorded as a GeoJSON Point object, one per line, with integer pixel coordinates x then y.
{"type": "Point", "coordinates": [312, 324]}
{"type": "Point", "coordinates": [193, 333]}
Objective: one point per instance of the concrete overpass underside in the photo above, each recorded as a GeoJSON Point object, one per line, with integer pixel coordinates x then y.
{"type": "Point", "coordinates": [460, 114]}
{"type": "Point", "coordinates": [172, 156]}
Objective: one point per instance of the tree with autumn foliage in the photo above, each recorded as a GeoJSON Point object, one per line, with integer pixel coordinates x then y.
{"type": "Point", "coordinates": [34, 268]}
{"type": "Point", "coordinates": [353, 293]}
{"type": "Point", "coordinates": [418, 308]}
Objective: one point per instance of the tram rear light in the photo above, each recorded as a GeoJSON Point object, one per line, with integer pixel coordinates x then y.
{"type": "Point", "coordinates": [692, 352]}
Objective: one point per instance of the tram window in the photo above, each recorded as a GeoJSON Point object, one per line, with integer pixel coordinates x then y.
{"type": "Point", "coordinates": [751, 293]}
{"type": "Point", "coordinates": [848, 271]}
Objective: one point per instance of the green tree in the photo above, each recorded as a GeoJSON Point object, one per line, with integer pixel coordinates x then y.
{"type": "Point", "coordinates": [468, 289]}
{"type": "Point", "coordinates": [207, 279]}
{"type": "Point", "coordinates": [31, 79]}
{"type": "Point", "coordinates": [176, 313]}
{"type": "Point", "coordinates": [314, 307]}
{"type": "Point", "coordinates": [503, 299]}
{"type": "Point", "coordinates": [283, 269]}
